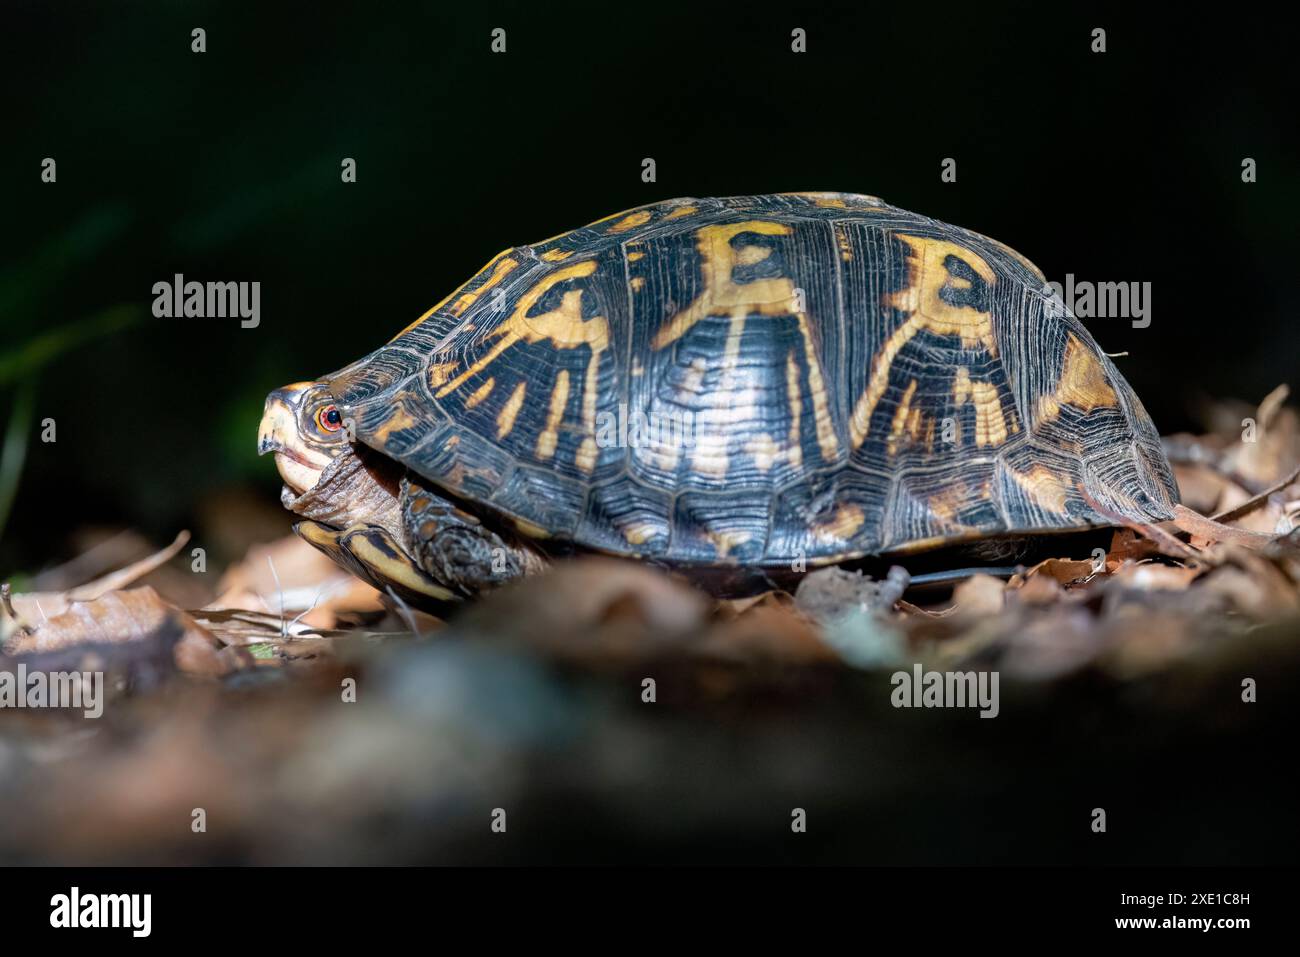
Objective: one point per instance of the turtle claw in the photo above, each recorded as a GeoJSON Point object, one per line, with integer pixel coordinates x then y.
{"type": "Point", "coordinates": [370, 553]}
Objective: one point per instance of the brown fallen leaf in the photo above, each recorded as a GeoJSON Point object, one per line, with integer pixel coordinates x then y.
{"type": "Point", "coordinates": [980, 595]}
{"type": "Point", "coordinates": [126, 616]}
{"type": "Point", "coordinates": [769, 628]}
{"type": "Point", "coordinates": [1204, 488]}
{"type": "Point", "coordinates": [591, 608]}
{"type": "Point", "coordinates": [1042, 589]}
{"type": "Point", "coordinates": [30, 607]}
{"type": "Point", "coordinates": [1127, 545]}
{"type": "Point", "coordinates": [1155, 576]}
{"type": "Point", "coordinates": [1274, 449]}
{"type": "Point", "coordinates": [1063, 571]}
{"type": "Point", "coordinates": [1209, 530]}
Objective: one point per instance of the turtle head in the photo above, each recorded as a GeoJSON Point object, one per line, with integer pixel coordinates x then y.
{"type": "Point", "coordinates": [305, 429]}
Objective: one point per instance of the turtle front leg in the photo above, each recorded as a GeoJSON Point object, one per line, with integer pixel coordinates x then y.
{"type": "Point", "coordinates": [370, 553]}
{"type": "Point", "coordinates": [456, 549]}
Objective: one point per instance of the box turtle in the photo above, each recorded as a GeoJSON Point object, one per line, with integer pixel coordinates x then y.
{"type": "Point", "coordinates": [740, 388]}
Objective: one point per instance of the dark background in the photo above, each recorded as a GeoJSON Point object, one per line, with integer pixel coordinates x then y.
{"type": "Point", "coordinates": [1124, 166]}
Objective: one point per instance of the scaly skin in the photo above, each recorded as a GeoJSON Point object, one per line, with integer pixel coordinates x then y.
{"type": "Point", "coordinates": [382, 525]}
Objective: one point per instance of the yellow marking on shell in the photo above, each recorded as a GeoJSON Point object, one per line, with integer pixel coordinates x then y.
{"type": "Point", "coordinates": [901, 416]}
{"type": "Point", "coordinates": [795, 399]}
{"type": "Point", "coordinates": [621, 214]}
{"type": "Point", "coordinates": [722, 296]}
{"type": "Point", "coordinates": [510, 411]}
{"type": "Point", "coordinates": [1083, 383]}
{"type": "Point", "coordinates": [547, 441]}
{"type": "Point", "coordinates": [752, 255]}
{"type": "Point", "coordinates": [914, 424]}
{"type": "Point", "coordinates": [638, 533]}
{"type": "Point", "coordinates": [632, 221]}
{"type": "Point", "coordinates": [532, 531]}
{"type": "Point", "coordinates": [565, 328]}
{"type": "Point", "coordinates": [991, 426]}
{"type": "Point", "coordinates": [842, 240]}
{"type": "Point", "coordinates": [1043, 486]}
{"type": "Point", "coordinates": [392, 569]}
{"type": "Point", "coordinates": [764, 450]}
{"type": "Point", "coordinates": [637, 283]}
{"type": "Point", "coordinates": [634, 256]}
{"type": "Point", "coordinates": [945, 505]}
{"type": "Point", "coordinates": [501, 267]}
{"type": "Point", "coordinates": [399, 420]}
{"type": "Point", "coordinates": [681, 211]}
{"type": "Point", "coordinates": [481, 393]}
{"type": "Point", "coordinates": [826, 440]}
{"type": "Point", "coordinates": [841, 526]}
{"type": "Point", "coordinates": [724, 541]}
{"type": "Point", "coordinates": [926, 310]}
{"type": "Point", "coordinates": [556, 255]}
{"type": "Point", "coordinates": [439, 373]}
{"type": "Point", "coordinates": [585, 458]}
{"type": "Point", "coordinates": [935, 541]}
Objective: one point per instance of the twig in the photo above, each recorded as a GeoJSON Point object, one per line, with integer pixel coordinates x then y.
{"type": "Point", "coordinates": [6, 599]}
{"type": "Point", "coordinates": [280, 592]}
{"type": "Point", "coordinates": [405, 612]}
{"type": "Point", "coordinates": [1255, 501]}
{"type": "Point", "coordinates": [320, 593]}
{"type": "Point", "coordinates": [125, 576]}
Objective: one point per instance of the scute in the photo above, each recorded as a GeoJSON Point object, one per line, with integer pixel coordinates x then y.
{"type": "Point", "coordinates": [759, 380]}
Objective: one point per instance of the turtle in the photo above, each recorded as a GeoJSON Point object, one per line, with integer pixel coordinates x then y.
{"type": "Point", "coordinates": [739, 389]}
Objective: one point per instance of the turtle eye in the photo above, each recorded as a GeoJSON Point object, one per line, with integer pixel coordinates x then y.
{"type": "Point", "coordinates": [330, 418]}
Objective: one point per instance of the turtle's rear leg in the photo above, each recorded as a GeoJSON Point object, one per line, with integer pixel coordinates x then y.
{"type": "Point", "coordinates": [456, 549]}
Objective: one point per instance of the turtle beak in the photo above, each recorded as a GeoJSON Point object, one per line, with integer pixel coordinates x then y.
{"type": "Point", "coordinates": [280, 419]}
{"type": "Point", "coordinates": [299, 464]}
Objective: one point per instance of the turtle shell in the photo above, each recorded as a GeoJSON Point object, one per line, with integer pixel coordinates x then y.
{"type": "Point", "coordinates": [759, 380]}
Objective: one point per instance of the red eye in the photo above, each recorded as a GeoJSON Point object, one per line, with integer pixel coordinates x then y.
{"type": "Point", "coordinates": [330, 418]}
